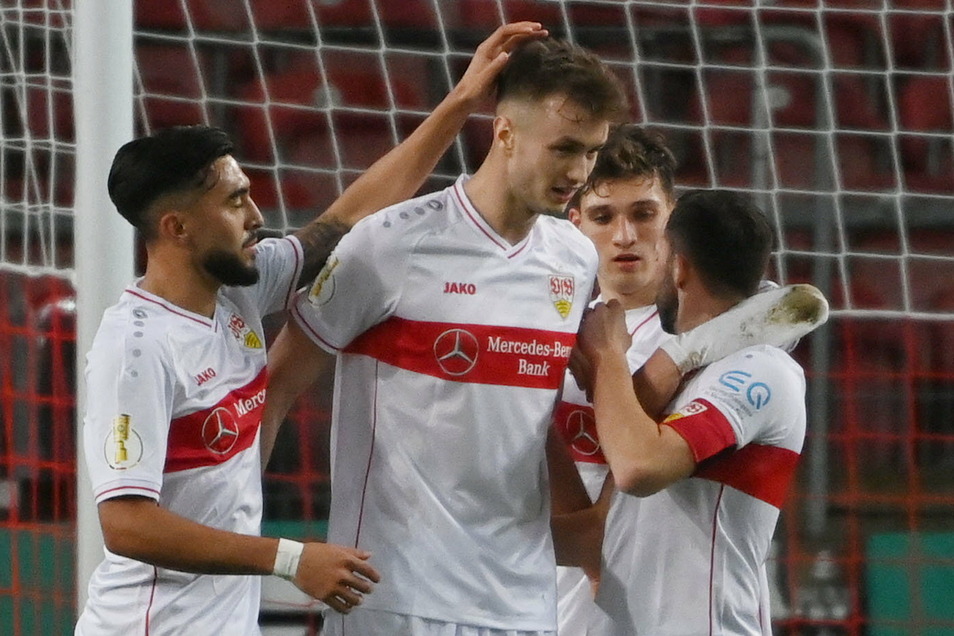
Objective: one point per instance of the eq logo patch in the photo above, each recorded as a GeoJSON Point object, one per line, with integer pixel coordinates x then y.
{"type": "Point", "coordinates": [757, 394]}
{"type": "Point", "coordinates": [456, 351]}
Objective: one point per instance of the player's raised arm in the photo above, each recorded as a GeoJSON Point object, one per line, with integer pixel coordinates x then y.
{"type": "Point", "coordinates": [137, 528]}
{"type": "Point", "coordinates": [398, 174]}
{"type": "Point", "coordinates": [778, 316]}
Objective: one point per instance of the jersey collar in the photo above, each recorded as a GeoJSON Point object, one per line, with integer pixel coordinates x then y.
{"type": "Point", "coordinates": [480, 224]}
{"type": "Point", "coordinates": [138, 292]}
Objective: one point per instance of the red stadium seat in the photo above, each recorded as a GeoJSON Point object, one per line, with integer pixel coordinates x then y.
{"type": "Point", "coordinates": [298, 100]}
{"type": "Point", "coordinates": [485, 14]}
{"type": "Point", "coordinates": [924, 105]}
{"type": "Point", "coordinates": [202, 15]}
{"type": "Point", "coordinates": [172, 89]}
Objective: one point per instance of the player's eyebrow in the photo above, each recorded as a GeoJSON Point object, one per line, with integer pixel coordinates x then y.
{"type": "Point", "coordinates": [239, 192]}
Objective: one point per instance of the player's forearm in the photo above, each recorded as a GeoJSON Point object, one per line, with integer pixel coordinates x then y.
{"type": "Point", "coordinates": [139, 529]}
{"type": "Point", "coordinates": [656, 383]}
{"type": "Point", "coordinates": [400, 173]}
{"type": "Point", "coordinates": [393, 178]}
{"type": "Point", "coordinates": [578, 538]}
{"type": "Point", "coordinates": [567, 492]}
{"type": "Point", "coordinates": [628, 435]}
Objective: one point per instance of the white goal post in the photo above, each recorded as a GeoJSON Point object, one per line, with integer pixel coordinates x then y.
{"type": "Point", "coordinates": [103, 107]}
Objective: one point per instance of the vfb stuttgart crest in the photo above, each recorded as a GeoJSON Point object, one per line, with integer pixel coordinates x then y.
{"type": "Point", "coordinates": [243, 333]}
{"type": "Point", "coordinates": [561, 293]}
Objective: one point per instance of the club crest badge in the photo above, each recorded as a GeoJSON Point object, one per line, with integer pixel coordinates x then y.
{"type": "Point", "coordinates": [561, 294]}
{"type": "Point", "coordinates": [243, 333]}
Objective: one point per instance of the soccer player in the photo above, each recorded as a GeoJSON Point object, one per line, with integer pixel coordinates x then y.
{"type": "Point", "coordinates": [177, 377]}
{"type": "Point", "coordinates": [623, 208]}
{"type": "Point", "coordinates": [452, 317]}
{"type": "Point", "coordinates": [712, 476]}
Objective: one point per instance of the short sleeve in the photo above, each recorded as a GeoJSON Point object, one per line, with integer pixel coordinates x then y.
{"type": "Point", "coordinates": [128, 410]}
{"type": "Point", "coordinates": [754, 396]}
{"type": "Point", "coordinates": [358, 287]}
{"type": "Point", "coordinates": [279, 263]}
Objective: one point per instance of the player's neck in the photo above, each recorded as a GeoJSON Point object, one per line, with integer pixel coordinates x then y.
{"type": "Point", "coordinates": [695, 309]}
{"type": "Point", "coordinates": [493, 201]}
{"type": "Point", "coordinates": [628, 299]}
{"type": "Point", "coordinates": [182, 285]}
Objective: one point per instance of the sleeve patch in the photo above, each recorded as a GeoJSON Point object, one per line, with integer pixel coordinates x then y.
{"type": "Point", "coordinates": [704, 427]}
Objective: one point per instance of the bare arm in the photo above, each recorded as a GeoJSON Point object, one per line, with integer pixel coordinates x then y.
{"type": "Point", "coordinates": [656, 383]}
{"type": "Point", "coordinates": [578, 536]}
{"type": "Point", "coordinates": [294, 363]}
{"type": "Point", "coordinates": [576, 523]}
{"type": "Point", "coordinates": [137, 528]}
{"type": "Point", "coordinates": [644, 456]}
{"type": "Point", "coordinates": [398, 174]}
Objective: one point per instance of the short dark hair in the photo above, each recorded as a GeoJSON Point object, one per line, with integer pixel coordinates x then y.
{"type": "Point", "coordinates": [631, 152]}
{"type": "Point", "coordinates": [172, 160]}
{"type": "Point", "coordinates": [725, 236]}
{"type": "Point", "coordinates": [546, 67]}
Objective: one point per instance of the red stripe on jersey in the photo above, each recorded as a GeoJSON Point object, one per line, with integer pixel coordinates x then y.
{"type": "Point", "coordinates": [127, 490]}
{"type": "Point", "coordinates": [704, 428]}
{"type": "Point", "coordinates": [220, 432]}
{"type": "Point", "coordinates": [577, 425]}
{"type": "Point", "coordinates": [760, 471]}
{"type": "Point", "coordinates": [763, 472]}
{"type": "Point", "coordinates": [480, 354]}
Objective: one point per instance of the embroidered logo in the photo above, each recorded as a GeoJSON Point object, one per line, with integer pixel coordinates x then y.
{"type": "Point", "coordinates": [561, 294]}
{"type": "Point", "coordinates": [468, 289]}
{"type": "Point", "coordinates": [243, 333]}
{"type": "Point", "coordinates": [205, 376]}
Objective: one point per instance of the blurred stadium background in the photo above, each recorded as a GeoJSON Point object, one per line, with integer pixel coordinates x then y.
{"type": "Point", "coordinates": [836, 116]}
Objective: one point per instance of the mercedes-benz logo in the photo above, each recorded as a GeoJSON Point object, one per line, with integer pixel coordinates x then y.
{"type": "Point", "coordinates": [456, 351]}
{"type": "Point", "coordinates": [220, 431]}
{"type": "Point", "coordinates": [581, 433]}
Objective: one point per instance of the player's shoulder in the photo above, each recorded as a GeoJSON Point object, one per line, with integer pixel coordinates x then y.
{"type": "Point", "coordinates": [135, 327]}
{"type": "Point", "coordinates": [405, 223]}
{"type": "Point", "coordinates": [763, 363]}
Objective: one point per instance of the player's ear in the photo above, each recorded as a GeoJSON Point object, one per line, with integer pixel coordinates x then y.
{"type": "Point", "coordinates": [681, 270]}
{"type": "Point", "coordinates": [504, 132]}
{"type": "Point", "coordinates": [575, 216]}
{"type": "Point", "coordinates": [171, 225]}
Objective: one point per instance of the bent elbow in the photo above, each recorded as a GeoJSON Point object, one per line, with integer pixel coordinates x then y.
{"type": "Point", "coordinates": [638, 481]}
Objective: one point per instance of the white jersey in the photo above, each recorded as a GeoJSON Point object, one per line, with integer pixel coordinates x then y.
{"type": "Point", "coordinates": [173, 413]}
{"type": "Point", "coordinates": [574, 420]}
{"type": "Point", "coordinates": [696, 563]}
{"type": "Point", "coordinates": [452, 345]}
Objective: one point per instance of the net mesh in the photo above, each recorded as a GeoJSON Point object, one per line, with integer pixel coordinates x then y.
{"type": "Point", "coordinates": [835, 116]}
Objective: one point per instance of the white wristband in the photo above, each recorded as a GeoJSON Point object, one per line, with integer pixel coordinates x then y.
{"type": "Point", "coordinates": [287, 558]}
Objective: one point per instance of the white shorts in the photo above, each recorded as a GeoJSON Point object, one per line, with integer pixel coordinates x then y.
{"type": "Point", "coordinates": [365, 622]}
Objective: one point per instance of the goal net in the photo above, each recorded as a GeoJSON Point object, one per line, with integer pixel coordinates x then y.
{"type": "Point", "coordinates": [835, 116]}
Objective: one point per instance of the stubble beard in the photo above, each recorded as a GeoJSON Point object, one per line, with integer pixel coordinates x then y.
{"type": "Point", "coordinates": [229, 269]}
{"type": "Point", "coordinates": [667, 304]}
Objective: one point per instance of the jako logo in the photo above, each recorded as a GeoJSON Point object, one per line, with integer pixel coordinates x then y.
{"type": "Point", "coordinates": [205, 376]}
{"type": "Point", "coordinates": [460, 288]}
